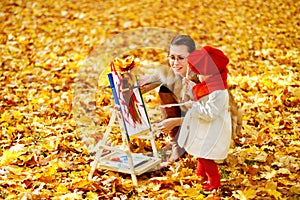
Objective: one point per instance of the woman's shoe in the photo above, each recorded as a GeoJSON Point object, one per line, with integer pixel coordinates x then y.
{"type": "Point", "coordinates": [177, 152]}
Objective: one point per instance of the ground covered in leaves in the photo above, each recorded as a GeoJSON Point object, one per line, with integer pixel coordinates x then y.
{"type": "Point", "coordinates": [43, 44]}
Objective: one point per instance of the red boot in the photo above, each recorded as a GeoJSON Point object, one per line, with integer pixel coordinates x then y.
{"type": "Point", "coordinates": [201, 172]}
{"type": "Point", "coordinates": [212, 172]}
{"type": "Point", "coordinates": [210, 187]}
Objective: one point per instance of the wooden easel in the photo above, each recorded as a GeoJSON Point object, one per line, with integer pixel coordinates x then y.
{"type": "Point", "coordinates": [120, 158]}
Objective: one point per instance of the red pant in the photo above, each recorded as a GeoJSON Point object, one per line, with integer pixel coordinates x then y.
{"type": "Point", "coordinates": [208, 170]}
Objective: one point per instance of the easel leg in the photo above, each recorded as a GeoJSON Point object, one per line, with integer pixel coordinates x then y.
{"type": "Point", "coordinates": [131, 166]}
{"type": "Point", "coordinates": [99, 148]}
{"type": "Point", "coordinates": [129, 157]}
{"type": "Point", "coordinates": [134, 180]}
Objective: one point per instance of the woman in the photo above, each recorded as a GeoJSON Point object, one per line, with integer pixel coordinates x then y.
{"type": "Point", "coordinates": [172, 90]}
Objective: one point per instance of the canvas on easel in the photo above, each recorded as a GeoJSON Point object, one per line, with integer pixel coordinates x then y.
{"type": "Point", "coordinates": [130, 102]}
{"type": "Point", "coordinates": [131, 116]}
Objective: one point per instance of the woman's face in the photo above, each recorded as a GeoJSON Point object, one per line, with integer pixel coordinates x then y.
{"type": "Point", "coordinates": [178, 59]}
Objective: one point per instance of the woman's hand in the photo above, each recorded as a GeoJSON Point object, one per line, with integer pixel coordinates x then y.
{"type": "Point", "coordinates": [144, 80]}
{"type": "Point", "coordinates": [168, 124]}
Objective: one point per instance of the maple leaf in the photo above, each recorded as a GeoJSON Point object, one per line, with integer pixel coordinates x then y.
{"type": "Point", "coordinates": [245, 194]}
{"type": "Point", "coordinates": [11, 156]}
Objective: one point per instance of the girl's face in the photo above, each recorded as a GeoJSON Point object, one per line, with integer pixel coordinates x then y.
{"type": "Point", "coordinates": [178, 59]}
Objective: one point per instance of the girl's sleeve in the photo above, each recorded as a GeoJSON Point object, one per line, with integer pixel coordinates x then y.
{"type": "Point", "coordinates": [214, 106]}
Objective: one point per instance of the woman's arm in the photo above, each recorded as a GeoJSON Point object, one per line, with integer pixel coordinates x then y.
{"type": "Point", "coordinates": [148, 83]}
{"type": "Point", "coordinates": [149, 86]}
{"type": "Point", "coordinates": [168, 124]}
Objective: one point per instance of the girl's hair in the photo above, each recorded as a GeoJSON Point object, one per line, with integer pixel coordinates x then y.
{"type": "Point", "coordinates": [184, 40]}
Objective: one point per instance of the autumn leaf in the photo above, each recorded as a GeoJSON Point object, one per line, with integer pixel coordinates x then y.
{"type": "Point", "coordinates": [295, 189]}
{"type": "Point", "coordinates": [11, 156]}
{"type": "Point", "coordinates": [246, 194]}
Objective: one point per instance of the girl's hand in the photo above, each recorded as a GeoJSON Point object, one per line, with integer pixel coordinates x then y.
{"type": "Point", "coordinates": [189, 104]}
{"type": "Point", "coordinates": [190, 84]}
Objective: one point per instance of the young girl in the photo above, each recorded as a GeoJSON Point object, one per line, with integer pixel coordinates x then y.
{"type": "Point", "coordinates": [206, 128]}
